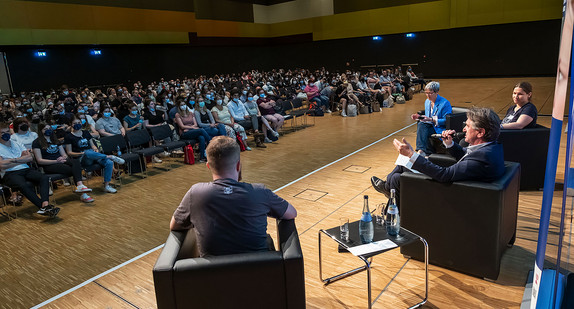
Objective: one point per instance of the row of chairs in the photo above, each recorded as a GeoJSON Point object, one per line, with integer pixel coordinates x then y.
{"type": "Point", "coordinates": [135, 146]}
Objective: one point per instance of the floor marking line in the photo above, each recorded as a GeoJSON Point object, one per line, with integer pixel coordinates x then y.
{"type": "Point", "coordinates": [391, 281]}
{"type": "Point", "coordinates": [161, 246]}
{"type": "Point", "coordinates": [116, 295]}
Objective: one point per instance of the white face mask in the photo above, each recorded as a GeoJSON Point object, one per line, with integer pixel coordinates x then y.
{"type": "Point", "coordinates": [219, 102]}
{"type": "Point", "coordinates": [183, 107]}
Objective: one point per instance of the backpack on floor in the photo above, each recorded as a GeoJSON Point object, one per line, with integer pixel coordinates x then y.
{"type": "Point", "coordinates": [401, 99]}
{"type": "Point", "coordinates": [410, 93]}
{"type": "Point", "coordinates": [240, 141]}
{"type": "Point", "coordinates": [188, 156]}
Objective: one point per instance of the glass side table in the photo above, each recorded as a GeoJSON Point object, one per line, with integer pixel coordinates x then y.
{"type": "Point", "coordinates": [405, 237]}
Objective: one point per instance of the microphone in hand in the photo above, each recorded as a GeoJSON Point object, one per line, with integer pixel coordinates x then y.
{"type": "Point", "coordinates": [454, 135]}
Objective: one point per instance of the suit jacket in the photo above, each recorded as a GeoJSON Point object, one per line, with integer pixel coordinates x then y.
{"type": "Point", "coordinates": [484, 164]}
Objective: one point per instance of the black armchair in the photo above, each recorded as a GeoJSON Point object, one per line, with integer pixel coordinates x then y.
{"type": "Point", "coordinates": [273, 279]}
{"type": "Point", "coordinates": [467, 224]}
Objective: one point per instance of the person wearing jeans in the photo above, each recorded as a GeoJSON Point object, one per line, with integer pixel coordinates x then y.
{"type": "Point", "coordinates": [188, 128]}
{"type": "Point", "coordinates": [79, 144]}
{"type": "Point", "coordinates": [205, 120]}
{"type": "Point", "coordinates": [13, 159]}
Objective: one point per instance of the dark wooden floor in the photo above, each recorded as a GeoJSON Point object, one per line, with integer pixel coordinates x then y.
{"type": "Point", "coordinates": [42, 258]}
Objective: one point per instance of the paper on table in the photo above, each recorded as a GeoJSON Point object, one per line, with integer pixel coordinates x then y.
{"type": "Point", "coordinates": [372, 247]}
{"type": "Point", "coordinates": [403, 160]}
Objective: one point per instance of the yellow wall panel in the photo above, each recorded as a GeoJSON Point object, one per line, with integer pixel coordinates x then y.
{"type": "Point", "coordinates": [13, 14]}
{"type": "Point", "coordinates": [169, 21]}
{"type": "Point", "coordinates": [43, 15]}
{"type": "Point", "coordinates": [291, 27]}
{"type": "Point", "coordinates": [15, 36]}
{"type": "Point", "coordinates": [253, 30]}
{"type": "Point", "coordinates": [484, 12]}
{"type": "Point", "coordinates": [217, 28]}
{"type": "Point", "coordinates": [390, 20]}
{"type": "Point", "coordinates": [430, 16]}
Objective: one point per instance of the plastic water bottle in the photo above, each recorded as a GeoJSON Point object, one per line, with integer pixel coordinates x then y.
{"type": "Point", "coordinates": [393, 220]}
{"type": "Point", "coordinates": [119, 151]}
{"type": "Point", "coordinates": [366, 229]}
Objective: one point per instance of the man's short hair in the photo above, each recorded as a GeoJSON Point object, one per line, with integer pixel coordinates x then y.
{"type": "Point", "coordinates": [222, 153]}
{"type": "Point", "coordinates": [433, 86]}
{"type": "Point", "coordinates": [487, 119]}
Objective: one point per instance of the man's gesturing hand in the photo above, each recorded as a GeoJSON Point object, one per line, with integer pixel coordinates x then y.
{"type": "Point", "coordinates": [404, 147]}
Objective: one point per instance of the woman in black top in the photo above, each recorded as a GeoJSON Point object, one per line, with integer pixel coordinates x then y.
{"type": "Point", "coordinates": [523, 114]}
{"type": "Point", "coordinates": [152, 116]}
{"type": "Point", "coordinates": [50, 155]}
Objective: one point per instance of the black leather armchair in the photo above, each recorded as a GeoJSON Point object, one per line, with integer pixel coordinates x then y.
{"type": "Point", "coordinates": [467, 224]}
{"type": "Point", "coordinates": [273, 279]}
{"type": "Point", "coordinates": [529, 147]}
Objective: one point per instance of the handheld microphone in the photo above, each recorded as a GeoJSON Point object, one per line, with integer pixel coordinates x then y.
{"type": "Point", "coordinates": [454, 135]}
{"type": "Point", "coordinates": [421, 117]}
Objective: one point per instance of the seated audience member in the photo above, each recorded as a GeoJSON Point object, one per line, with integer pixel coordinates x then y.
{"type": "Point", "coordinates": [205, 120]}
{"type": "Point", "coordinates": [80, 146]}
{"type": "Point", "coordinates": [108, 125]}
{"type": "Point", "coordinates": [434, 120]}
{"type": "Point", "coordinates": [22, 133]}
{"type": "Point", "coordinates": [222, 115]}
{"type": "Point", "coordinates": [152, 117]}
{"type": "Point", "coordinates": [253, 110]}
{"type": "Point", "coordinates": [188, 128]}
{"type": "Point", "coordinates": [133, 121]}
{"type": "Point", "coordinates": [229, 216]}
{"type": "Point", "coordinates": [240, 114]}
{"type": "Point", "coordinates": [17, 173]}
{"type": "Point", "coordinates": [266, 107]}
{"type": "Point", "coordinates": [523, 114]}
{"type": "Point", "coordinates": [483, 160]}
{"type": "Point", "coordinates": [414, 79]}
{"type": "Point", "coordinates": [314, 95]}
{"type": "Point", "coordinates": [50, 155]}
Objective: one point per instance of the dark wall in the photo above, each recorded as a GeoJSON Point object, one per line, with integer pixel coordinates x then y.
{"type": "Point", "coordinates": [521, 49]}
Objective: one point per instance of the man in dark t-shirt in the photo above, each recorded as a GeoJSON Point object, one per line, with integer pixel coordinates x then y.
{"type": "Point", "coordinates": [229, 216]}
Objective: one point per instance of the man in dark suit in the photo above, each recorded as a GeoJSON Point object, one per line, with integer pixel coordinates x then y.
{"type": "Point", "coordinates": [483, 160]}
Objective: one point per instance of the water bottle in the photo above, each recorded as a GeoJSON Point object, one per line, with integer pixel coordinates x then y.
{"type": "Point", "coordinates": [366, 229]}
{"type": "Point", "coordinates": [393, 220]}
{"type": "Point", "coordinates": [119, 151]}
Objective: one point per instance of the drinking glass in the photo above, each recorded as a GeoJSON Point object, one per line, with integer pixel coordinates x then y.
{"type": "Point", "coordinates": [344, 227]}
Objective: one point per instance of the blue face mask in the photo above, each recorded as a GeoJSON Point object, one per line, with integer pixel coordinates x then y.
{"type": "Point", "coordinates": [81, 111]}
{"type": "Point", "coordinates": [201, 104]}
{"type": "Point", "coordinates": [191, 102]}
{"type": "Point", "coordinates": [62, 112]}
{"type": "Point", "coordinates": [244, 91]}
{"type": "Point", "coordinates": [151, 109]}
{"type": "Point", "coordinates": [77, 126]}
{"type": "Point", "coordinates": [54, 126]}
{"type": "Point", "coordinates": [48, 132]}
{"type": "Point", "coordinates": [86, 108]}
{"type": "Point", "coordinates": [262, 95]}
{"type": "Point", "coordinates": [166, 100]}
{"type": "Point", "coordinates": [250, 98]}
{"type": "Point", "coordinates": [107, 114]}
{"type": "Point", "coordinates": [134, 113]}
{"type": "Point", "coordinates": [29, 110]}
{"type": "Point", "coordinates": [219, 102]}
{"type": "Point", "coordinates": [235, 100]}
{"type": "Point", "coordinates": [83, 121]}
{"type": "Point", "coordinates": [6, 136]}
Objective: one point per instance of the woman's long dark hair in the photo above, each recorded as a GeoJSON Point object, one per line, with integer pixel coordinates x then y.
{"type": "Point", "coordinates": [41, 136]}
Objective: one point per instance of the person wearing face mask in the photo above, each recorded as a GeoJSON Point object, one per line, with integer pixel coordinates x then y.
{"type": "Point", "coordinates": [414, 79]}
{"type": "Point", "coordinates": [266, 107]}
{"type": "Point", "coordinates": [189, 130]}
{"type": "Point", "coordinates": [133, 121]}
{"type": "Point", "coordinates": [16, 173]}
{"type": "Point", "coordinates": [80, 146]}
{"type": "Point", "coordinates": [67, 94]}
{"type": "Point", "coordinates": [152, 116]}
{"type": "Point", "coordinates": [108, 125]}
{"type": "Point", "coordinates": [241, 115]}
{"type": "Point", "coordinates": [222, 115]}
{"type": "Point", "coordinates": [50, 155]}
{"type": "Point", "coordinates": [205, 120]}
{"type": "Point", "coordinates": [313, 94]}
{"type": "Point", "coordinates": [22, 133]}
{"type": "Point", "coordinates": [253, 110]}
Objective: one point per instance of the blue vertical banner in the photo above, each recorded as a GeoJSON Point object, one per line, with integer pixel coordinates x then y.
{"type": "Point", "coordinates": [560, 92]}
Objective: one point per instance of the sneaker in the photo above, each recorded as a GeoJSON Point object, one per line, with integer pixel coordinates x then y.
{"type": "Point", "coordinates": [275, 133]}
{"type": "Point", "coordinates": [380, 186]}
{"type": "Point", "coordinates": [110, 189]}
{"type": "Point", "coordinates": [165, 154]}
{"type": "Point", "coordinates": [202, 160]}
{"type": "Point", "coordinates": [343, 114]}
{"type": "Point", "coordinates": [328, 111]}
{"type": "Point", "coordinates": [267, 140]}
{"type": "Point", "coordinates": [177, 152]}
{"type": "Point", "coordinates": [86, 198]}
{"type": "Point", "coordinates": [43, 211]}
{"type": "Point", "coordinates": [247, 148]}
{"type": "Point", "coordinates": [53, 212]}
{"type": "Point", "coordinates": [50, 192]}
{"type": "Point", "coordinates": [118, 160]}
{"type": "Point", "coordinates": [157, 160]}
{"type": "Point", "coordinates": [66, 182]}
{"type": "Point", "coordinates": [82, 189]}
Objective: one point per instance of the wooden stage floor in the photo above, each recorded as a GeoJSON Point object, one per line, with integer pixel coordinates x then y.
{"type": "Point", "coordinates": [43, 258]}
